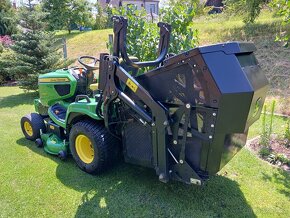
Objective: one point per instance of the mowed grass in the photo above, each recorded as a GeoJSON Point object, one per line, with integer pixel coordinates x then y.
{"type": "Point", "coordinates": [35, 184]}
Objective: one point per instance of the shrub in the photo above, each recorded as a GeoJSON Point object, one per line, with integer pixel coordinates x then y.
{"type": "Point", "coordinates": [143, 35]}
{"type": "Point", "coordinates": [180, 16]}
{"type": "Point", "coordinates": [264, 152]}
{"type": "Point", "coordinates": [287, 133]}
{"type": "Point", "coordinates": [103, 18]}
{"type": "Point", "coordinates": [264, 139]}
{"type": "Point", "coordinates": [67, 13]}
{"type": "Point", "coordinates": [283, 10]}
{"type": "Point", "coordinates": [278, 159]}
{"type": "Point", "coordinates": [5, 56]}
{"type": "Point", "coordinates": [267, 128]}
{"type": "Point", "coordinates": [282, 158]}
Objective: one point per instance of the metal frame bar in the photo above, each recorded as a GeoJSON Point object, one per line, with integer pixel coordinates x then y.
{"type": "Point", "coordinates": [120, 42]}
{"type": "Point", "coordinates": [158, 119]}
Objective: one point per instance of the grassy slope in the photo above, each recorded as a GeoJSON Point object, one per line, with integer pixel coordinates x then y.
{"type": "Point", "coordinates": [272, 56]}
{"type": "Point", "coordinates": [34, 183]}
{"type": "Point", "coordinates": [86, 43]}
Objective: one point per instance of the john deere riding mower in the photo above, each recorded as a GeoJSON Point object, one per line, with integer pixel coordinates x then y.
{"type": "Point", "coordinates": [185, 118]}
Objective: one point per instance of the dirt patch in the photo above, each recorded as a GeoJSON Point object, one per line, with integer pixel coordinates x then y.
{"type": "Point", "coordinates": [279, 152]}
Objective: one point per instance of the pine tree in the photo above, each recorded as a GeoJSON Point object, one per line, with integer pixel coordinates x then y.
{"type": "Point", "coordinates": [7, 18]}
{"type": "Point", "coordinates": [35, 49]}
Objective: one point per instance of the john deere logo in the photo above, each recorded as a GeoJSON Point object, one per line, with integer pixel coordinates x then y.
{"type": "Point", "coordinates": [258, 105]}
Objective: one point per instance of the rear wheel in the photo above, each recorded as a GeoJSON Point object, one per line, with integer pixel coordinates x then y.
{"type": "Point", "coordinates": [92, 146]}
{"type": "Point", "coordinates": [31, 124]}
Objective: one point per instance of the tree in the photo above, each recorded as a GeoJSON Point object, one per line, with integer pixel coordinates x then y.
{"type": "Point", "coordinates": [66, 13]}
{"type": "Point", "coordinates": [249, 9]}
{"type": "Point", "coordinates": [5, 54]}
{"type": "Point", "coordinates": [180, 15]}
{"type": "Point", "coordinates": [34, 49]}
{"type": "Point", "coordinates": [142, 36]}
{"type": "Point", "coordinates": [283, 10]}
{"type": "Point", "coordinates": [103, 18]}
{"type": "Point", "coordinates": [7, 18]}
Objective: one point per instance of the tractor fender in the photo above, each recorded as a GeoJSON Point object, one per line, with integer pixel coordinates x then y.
{"type": "Point", "coordinates": [81, 109]}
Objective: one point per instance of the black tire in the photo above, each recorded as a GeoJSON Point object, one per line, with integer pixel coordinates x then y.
{"type": "Point", "coordinates": [36, 122]}
{"type": "Point", "coordinates": [39, 143]}
{"type": "Point", "coordinates": [105, 146]}
{"type": "Point", "coordinates": [62, 155]}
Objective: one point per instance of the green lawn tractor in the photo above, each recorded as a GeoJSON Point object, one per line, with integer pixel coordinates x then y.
{"type": "Point", "coordinates": [185, 118]}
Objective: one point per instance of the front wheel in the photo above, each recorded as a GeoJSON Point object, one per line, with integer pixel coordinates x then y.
{"type": "Point", "coordinates": [31, 125]}
{"type": "Point", "coordinates": [92, 146]}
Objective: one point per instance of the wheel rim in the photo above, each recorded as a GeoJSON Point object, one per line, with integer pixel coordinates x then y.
{"type": "Point", "coordinates": [84, 149]}
{"type": "Point", "coordinates": [28, 128]}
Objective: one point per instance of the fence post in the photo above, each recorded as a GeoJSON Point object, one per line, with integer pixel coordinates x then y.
{"type": "Point", "coordinates": [111, 43]}
{"type": "Point", "coordinates": [64, 48]}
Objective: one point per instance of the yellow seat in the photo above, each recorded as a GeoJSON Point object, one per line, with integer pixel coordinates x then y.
{"type": "Point", "coordinates": [94, 86]}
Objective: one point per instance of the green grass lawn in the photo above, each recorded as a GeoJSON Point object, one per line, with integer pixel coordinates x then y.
{"type": "Point", "coordinates": [35, 184]}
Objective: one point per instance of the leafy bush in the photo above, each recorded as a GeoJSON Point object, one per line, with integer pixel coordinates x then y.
{"type": "Point", "coordinates": [143, 35]}
{"type": "Point", "coordinates": [278, 159]}
{"type": "Point", "coordinates": [5, 56]}
{"type": "Point", "coordinates": [180, 16]}
{"type": "Point", "coordinates": [264, 152]}
{"type": "Point", "coordinates": [103, 18]}
{"type": "Point", "coordinates": [287, 133]}
{"type": "Point", "coordinates": [282, 158]}
{"type": "Point", "coordinates": [273, 158]}
{"type": "Point", "coordinates": [283, 10]}
{"type": "Point", "coordinates": [67, 13]}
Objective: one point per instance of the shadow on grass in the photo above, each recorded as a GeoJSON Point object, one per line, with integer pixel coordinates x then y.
{"type": "Point", "coordinates": [19, 99]}
{"type": "Point", "coordinates": [67, 36]}
{"type": "Point", "coordinates": [247, 32]}
{"type": "Point", "coordinates": [130, 191]}
{"type": "Point", "coordinates": [282, 178]}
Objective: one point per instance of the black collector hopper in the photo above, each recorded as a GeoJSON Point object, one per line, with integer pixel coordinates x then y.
{"type": "Point", "coordinates": [188, 116]}
{"type": "Point", "coordinates": [225, 88]}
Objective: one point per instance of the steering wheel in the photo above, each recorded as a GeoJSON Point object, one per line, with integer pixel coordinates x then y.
{"type": "Point", "coordinates": [91, 66]}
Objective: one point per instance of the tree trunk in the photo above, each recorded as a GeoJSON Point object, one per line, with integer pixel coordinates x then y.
{"type": "Point", "coordinates": [69, 29]}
